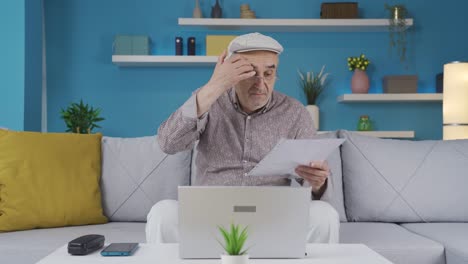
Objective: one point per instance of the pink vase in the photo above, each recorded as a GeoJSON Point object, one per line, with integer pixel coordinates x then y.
{"type": "Point", "coordinates": [360, 82]}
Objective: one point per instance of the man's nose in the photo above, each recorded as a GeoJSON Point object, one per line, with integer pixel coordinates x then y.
{"type": "Point", "coordinates": [259, 81]}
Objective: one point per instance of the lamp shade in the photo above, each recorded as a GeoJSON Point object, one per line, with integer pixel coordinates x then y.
{"type": "Point", "coordinates": [455, 100]}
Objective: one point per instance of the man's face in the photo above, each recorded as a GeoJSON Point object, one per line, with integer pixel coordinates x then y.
{"type": "Point", "coordinates": [254, 93]}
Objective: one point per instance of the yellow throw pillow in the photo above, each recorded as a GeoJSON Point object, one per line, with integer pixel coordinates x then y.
{"type": "Point", "coordinates": [49, 180]}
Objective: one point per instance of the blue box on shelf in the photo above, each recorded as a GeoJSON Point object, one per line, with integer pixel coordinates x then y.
{"type": "Point", "coordinates": [131, 45]}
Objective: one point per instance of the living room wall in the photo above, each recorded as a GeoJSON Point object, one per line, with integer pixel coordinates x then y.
{"type": "Point", "coordinates": [135, 101]}
{"type": "Point", "coordinates": [12, 65]}
{"type": "Point", "coordinates": [21, 65]}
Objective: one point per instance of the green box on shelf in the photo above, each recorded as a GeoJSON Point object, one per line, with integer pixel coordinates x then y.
{"type": "Point", "coordinates": [140, 45]}
{"type": "Point", "coordinates": [131, 45]}
{"type": "Point", "coordinates": [122, 45]}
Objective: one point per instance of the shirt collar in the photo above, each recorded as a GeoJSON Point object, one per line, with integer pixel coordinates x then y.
{"type": "Point", "coordinates": [237, 106]}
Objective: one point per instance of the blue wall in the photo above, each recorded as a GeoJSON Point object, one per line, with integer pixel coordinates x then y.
{"type": "Point", "coordinates": [136, 100]}
{"type": "Point", "coordinates": [12, 64]}
{"type": "Point", "coordinates": [21, 65]}
{"type": "Point", "coordinates": [33, 66]}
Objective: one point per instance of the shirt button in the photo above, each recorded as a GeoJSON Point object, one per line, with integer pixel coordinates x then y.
{"type": "Point", "coordinates": [244, 161]}
{"type": "Point", "coordinates": [248, 117]}
{"type": "Point", "coordinates": [245, 174]}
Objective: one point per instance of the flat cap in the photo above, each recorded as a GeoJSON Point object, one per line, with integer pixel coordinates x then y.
{"type": "Point", "coordinates": [253, 41]}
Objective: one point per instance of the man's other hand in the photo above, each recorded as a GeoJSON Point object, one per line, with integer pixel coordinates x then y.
{"type": "Point", "coordinates": [316, 174]}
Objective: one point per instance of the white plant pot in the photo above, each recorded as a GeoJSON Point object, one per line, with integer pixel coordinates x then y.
{"type": "Point", "coordinates": [228, 259]}
{"type": "Point", "coordinates": [314, 113]}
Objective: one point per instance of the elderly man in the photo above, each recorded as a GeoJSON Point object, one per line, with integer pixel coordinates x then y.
{"type": "Point", "coordinates": [237, 117]}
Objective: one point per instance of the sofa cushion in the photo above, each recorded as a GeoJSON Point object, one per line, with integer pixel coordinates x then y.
{"type": "Point", "coordinates": [49, 180]}
{"type": "Point", "coordinates": [388, 180]}
{"type": "Point", "coordinates": [28, 247]}
{"type": "Point", "coordinates": [137, 174]}
{"type": "Point", "coordinates": [336, 178]}
{"type": "Point", "coordinates": [393, 242]}
{"type": "Point", "coordinates": [454, 236]}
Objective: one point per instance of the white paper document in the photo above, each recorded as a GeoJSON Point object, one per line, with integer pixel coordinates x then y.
{"type": "Point", "coordinates": [289, 153]}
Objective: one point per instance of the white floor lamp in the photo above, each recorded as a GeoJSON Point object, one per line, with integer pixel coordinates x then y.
{"type": "Point", "coordinates": [455, 103]}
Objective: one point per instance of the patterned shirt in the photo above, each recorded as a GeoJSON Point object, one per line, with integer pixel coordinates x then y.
{"type": "Point", "coordinates": [230, 141]}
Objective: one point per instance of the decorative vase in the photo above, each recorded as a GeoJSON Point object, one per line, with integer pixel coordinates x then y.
{"type": "Point", "coordinates": [240, 259]}
{"type": "Point", "coordinates": [360, 82]}
{"type": "Point", "coordinates": [197, 11]}
{"type": "Point", "coordinates": [314, 113]}
{"type": "Point", "coordinates": [216, 10]}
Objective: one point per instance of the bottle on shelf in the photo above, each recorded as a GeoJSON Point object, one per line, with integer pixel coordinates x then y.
{"type": "Point", "coordinates": [191, 46]}
{"type": "Point", "coordinates": [179, 49]}
{"type": "Point", "coordinates": [216, 11]}
{"type": "Point", "coordinates": [364, 123]}
{"type": "Point", "coordinates": [197, 13]}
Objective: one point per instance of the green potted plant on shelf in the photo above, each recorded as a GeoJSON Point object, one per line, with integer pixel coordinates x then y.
{"type": "Point", "coordinates": [360, 80]}
{"type": "Point", "coordinates": [81, 118]}
{"type": "Point", "coordinates": [234, 241]}
{"type": "Point", "coordinates": [398, 28]}
{"type": "Point", "coordinates": [313, 85]}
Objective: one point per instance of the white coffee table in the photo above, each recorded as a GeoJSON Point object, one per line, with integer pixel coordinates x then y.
{"type": "Point", "coordinates": [169, 254]}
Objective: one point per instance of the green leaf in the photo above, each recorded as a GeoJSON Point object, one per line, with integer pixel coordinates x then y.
{"type": "Point", "coordinates": [225, 235]}
{"type": "Point", "coordinates": [233, 238]}
{"type": "Point", "coordinates": [242, 239]}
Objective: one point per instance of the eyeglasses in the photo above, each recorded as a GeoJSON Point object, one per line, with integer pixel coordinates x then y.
{"type": "Point", "coordinates": [269, 78]}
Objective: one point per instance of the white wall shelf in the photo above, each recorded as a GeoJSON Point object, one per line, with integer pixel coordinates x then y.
{"type": "Point", "coordinates": [388, 134]}
{"type": "Point", "coordinates": [384, 134]}
{"type": "Point", "coordinates": [166, 61]}
{"type": "Point", "coordinates": [292, 25]}
{"type": "Point", "coordinates": [389, 98]}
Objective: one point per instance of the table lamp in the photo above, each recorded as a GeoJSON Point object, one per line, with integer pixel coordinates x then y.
{"type": "Point", "coordinates": [455, 100]}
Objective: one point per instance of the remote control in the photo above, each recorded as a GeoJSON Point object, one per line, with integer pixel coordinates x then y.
{"type": "Point", "coordinates": [85, 244]}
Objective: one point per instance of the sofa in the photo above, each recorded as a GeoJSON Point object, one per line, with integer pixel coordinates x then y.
{"type": "Point", "coordinates": [404, 199]}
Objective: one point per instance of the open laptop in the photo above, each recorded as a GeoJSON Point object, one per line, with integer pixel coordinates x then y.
{"type": "Point", "coordinates": [277, 220]}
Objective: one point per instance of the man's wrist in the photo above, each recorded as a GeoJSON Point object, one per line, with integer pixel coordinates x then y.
{"type": "Point", "coordinates": [320, 191]}
{"type": "Point", "coordinates": [205, 97]}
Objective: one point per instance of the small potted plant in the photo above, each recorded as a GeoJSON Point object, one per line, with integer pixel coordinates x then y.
{"type": "Point", "coordinates": [234, 241]}
{"type": "Point", "coordinates": [397, 28]}
{"type": "Point", "coordinates": [313, 85]}
{"type": "Point", "coordinates": [81, 118]}
{"type": "Point", "coordinates": [360, 80]}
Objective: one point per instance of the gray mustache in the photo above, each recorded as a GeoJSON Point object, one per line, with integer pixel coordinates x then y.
{"type": "Point", "coordinates": [256, 91]}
